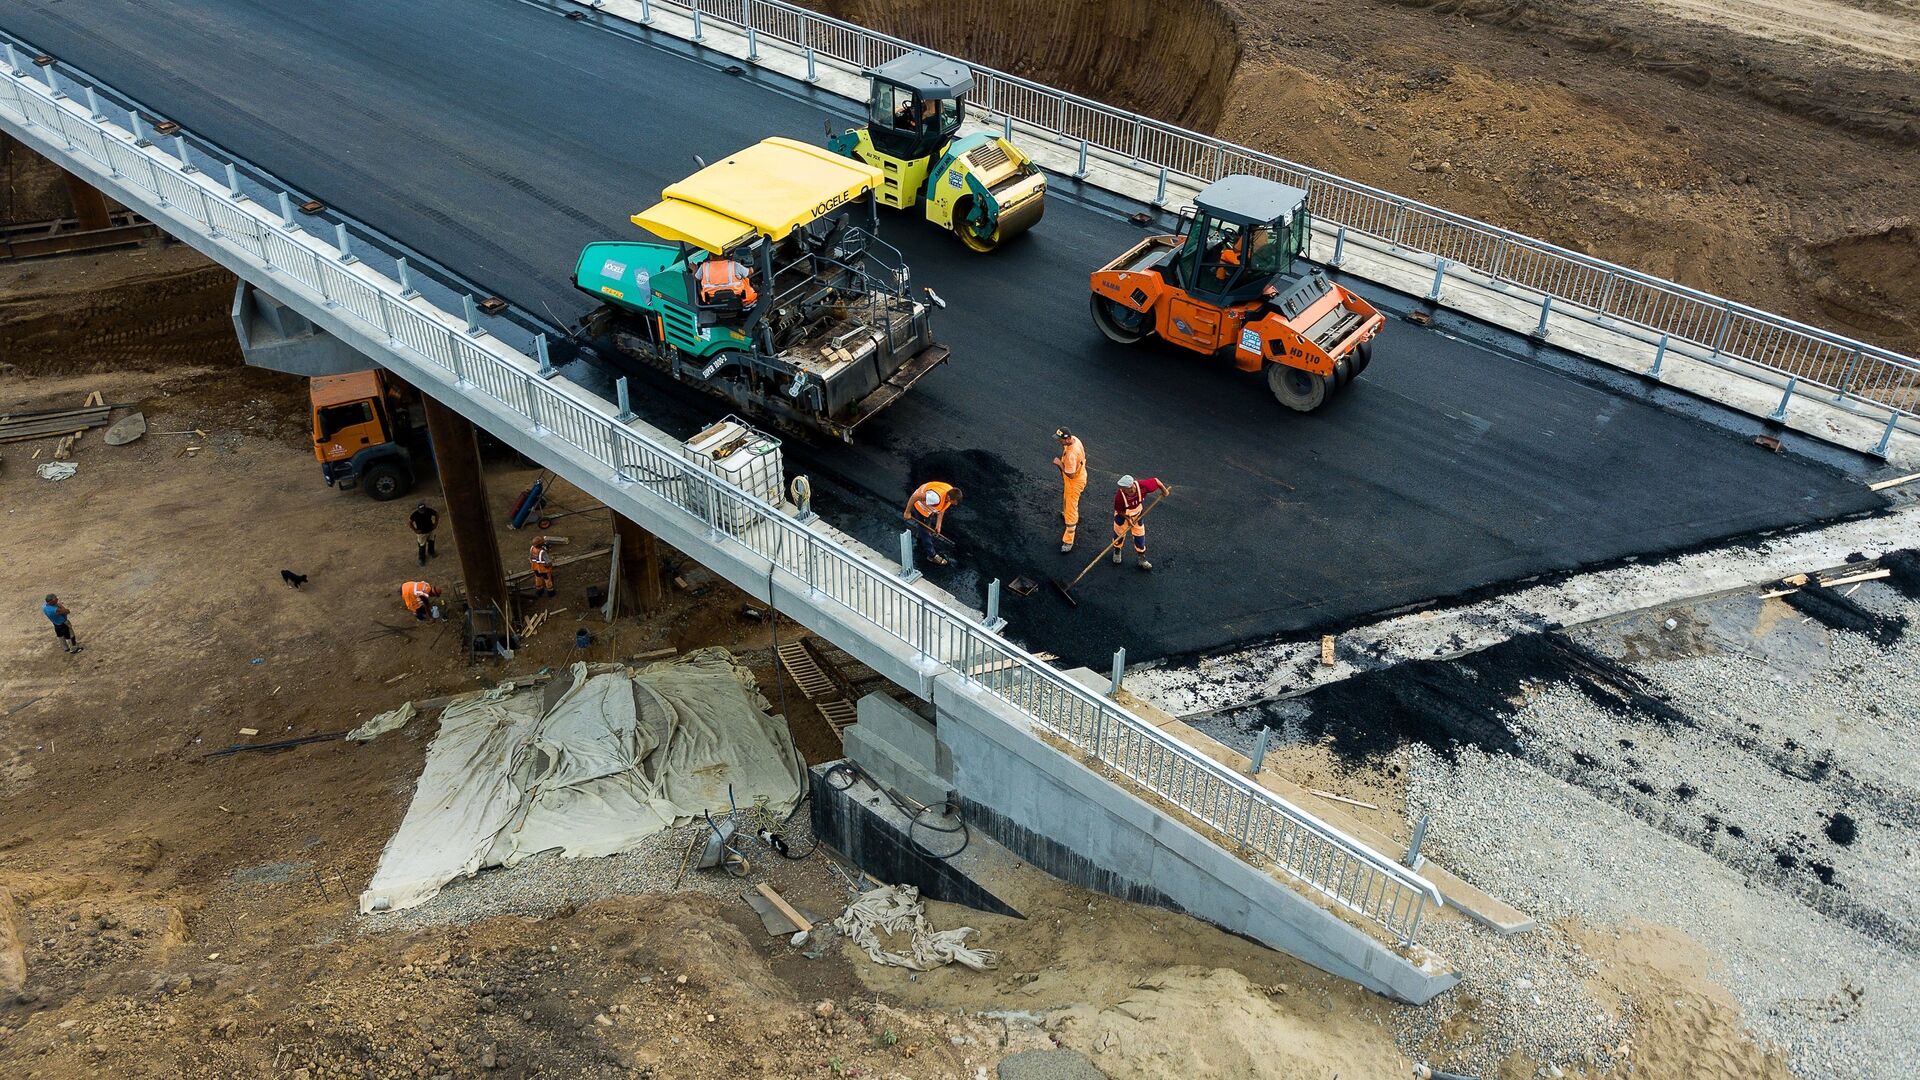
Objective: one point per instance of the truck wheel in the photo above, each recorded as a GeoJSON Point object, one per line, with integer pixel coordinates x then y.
{"type": "Point", "coordinates": [968, 234]}
{"type": "Point", "coordinates": [1342, 371]}
{"type": "Point", "coordinates": [1119, 322]}
{"type": "Point", "coordinates": [1301, 391]}
{"type": "Point", "coordinates": [386, 482]}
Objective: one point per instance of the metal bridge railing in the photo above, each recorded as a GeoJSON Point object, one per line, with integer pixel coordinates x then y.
{"type": "Point", "coordinates": [1238, 813]}
{"type": "Point", "coordinates": [1579, 285]}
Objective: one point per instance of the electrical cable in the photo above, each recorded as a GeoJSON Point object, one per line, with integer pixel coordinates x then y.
{"type": "Point", "coordinates": [773, 839]}
{"type": "Point", "coordinates": [913, 815]}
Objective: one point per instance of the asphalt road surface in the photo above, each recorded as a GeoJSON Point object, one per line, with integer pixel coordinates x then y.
{"type": "Point", "coordinates": [498, 139]}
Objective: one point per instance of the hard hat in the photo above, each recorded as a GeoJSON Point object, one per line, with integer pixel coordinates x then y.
{"type": "Point", "coordinates": [932, 498]}
{"type": "Point", "coordinates": [1126, 481]}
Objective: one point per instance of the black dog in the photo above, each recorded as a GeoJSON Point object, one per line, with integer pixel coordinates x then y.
{"type": "Point", "coordinates": [293, 579]}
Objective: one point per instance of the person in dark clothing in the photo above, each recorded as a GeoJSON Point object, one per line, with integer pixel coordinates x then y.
{"type": "Point", "coordinates": [56, 613]}
{"type": "Point", "coordinates": [423, 521]}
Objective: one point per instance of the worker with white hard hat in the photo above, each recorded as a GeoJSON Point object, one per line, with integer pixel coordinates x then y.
{"type": "Point", "coordinates": [926, 515]}
{"type": "Point", "coordinates": [1128, 512]}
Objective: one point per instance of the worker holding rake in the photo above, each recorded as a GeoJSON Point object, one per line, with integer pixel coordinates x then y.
{"type": "Point", "coordinates": [1129, 514]}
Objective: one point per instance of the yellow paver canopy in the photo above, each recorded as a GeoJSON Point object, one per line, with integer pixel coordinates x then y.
{"type": "Point", "coordinates": [770, 188]}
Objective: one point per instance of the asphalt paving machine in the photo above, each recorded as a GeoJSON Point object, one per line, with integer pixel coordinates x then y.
{"type": "Point", "coordinates": [772, 290]}
{"type": "Point", "coordinates": [980, 185]}
{"type": "Point", "coordinates": [1234, 280]}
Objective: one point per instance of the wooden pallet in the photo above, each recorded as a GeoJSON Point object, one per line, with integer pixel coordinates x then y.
{"type": "Point", "coordinates": [840, 715]}
{"type": "Point", "coordinates": [805, 673]}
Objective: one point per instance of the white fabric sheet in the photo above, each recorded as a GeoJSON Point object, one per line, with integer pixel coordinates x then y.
{"type": "Point", "coordinates": [620, 755]}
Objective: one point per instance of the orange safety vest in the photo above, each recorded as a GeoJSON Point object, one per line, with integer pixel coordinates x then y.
{"type": "Point", "coordinates": [538, 556]}
{"type": "Point", "coordinates": [416, 593]}
{"type": "Point", "coordinates": [719, 276]}
{"type": "Point", "coordinates": [1073, 461]}
{"type": "Point", "coordinates": [920, 494]}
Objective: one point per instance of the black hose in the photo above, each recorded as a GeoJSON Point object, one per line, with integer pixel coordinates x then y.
{"type": "Point", "coordinates": [913, 815]}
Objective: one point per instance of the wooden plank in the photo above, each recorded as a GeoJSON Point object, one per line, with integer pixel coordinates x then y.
{"type": "Point", "coordinates": [557, 564]}
{"type": "Point", "coordinates": [1326, 650]}
{"type": "Point", "coordinates": [1895, 482]}
{"type": "Point", "coordinates": [1868, 575]}
{"type": "Point", "coordinates": [799, 921]}
{"type": "Point", "coordinates": [1340, 798]}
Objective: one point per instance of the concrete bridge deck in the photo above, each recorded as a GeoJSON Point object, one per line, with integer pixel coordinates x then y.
{"type": "Point", "coordinates": [498, 138]}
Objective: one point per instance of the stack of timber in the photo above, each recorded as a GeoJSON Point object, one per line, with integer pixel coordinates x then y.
{"type": "Point", "coordinates": [47, 423]}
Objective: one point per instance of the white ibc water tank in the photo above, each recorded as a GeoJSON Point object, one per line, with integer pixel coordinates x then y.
{"type": "Point", "coordinates": [746, 458]}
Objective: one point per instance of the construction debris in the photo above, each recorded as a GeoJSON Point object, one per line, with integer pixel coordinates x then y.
{"type": "Point", "coordinates": [56, 470]}
{"type": "Point", "coordinates": [800, 922]}
{"type": "Point", "coordinates": [125, 430]}
{"type": "Point", "coordinates": [892, 910]}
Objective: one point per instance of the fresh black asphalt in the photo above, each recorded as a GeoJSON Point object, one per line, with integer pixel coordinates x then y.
{"type": "Point", "coordinates": [499, 138]}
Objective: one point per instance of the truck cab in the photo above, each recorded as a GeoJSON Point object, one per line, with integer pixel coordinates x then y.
{"type": "Point", "coordinates": [366, 433]}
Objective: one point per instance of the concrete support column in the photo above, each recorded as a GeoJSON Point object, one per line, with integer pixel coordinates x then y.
{"type": "Point", "coordinates": [639, 555]}
{"type": "Point", "coordinates": [88, 204]}
{"type": "Point", "coordinates": [456, 449]}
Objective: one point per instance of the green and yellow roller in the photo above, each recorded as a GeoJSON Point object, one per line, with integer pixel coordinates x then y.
{"type": "Point", "coordinates": [979, 185]}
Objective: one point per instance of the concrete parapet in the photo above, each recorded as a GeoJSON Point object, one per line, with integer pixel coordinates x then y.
{"type": "Point", "coordinates": [1049, 809]}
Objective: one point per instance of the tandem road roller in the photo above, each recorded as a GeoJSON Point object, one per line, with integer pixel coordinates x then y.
{"type": "Point", "coordinates": [980, 186]}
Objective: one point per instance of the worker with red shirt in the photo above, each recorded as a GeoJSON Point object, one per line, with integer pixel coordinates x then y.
{"type": "Point", "coordinates": [1128, 510]}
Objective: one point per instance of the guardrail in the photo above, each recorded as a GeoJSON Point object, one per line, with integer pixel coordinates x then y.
{"type": "Point", "coordinates": [1879, 380]}
{"type": "Point", "coordinates": [1237, 812]}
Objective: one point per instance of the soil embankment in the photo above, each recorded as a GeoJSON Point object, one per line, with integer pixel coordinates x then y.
{"type": "Point", "coordinates": [1173, 59]}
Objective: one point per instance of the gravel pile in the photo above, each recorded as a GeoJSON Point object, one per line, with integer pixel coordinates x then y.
{"type": "Point", "coordinates": [1532, 999]}
{"type": "Point", "coordinates": [1557, 851]}
{"type": "Point", "coordinates": [544, 884]}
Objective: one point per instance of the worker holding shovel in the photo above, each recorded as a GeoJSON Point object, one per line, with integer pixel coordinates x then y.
{"type": "Point", "coordinates": [1129, 518]}
{"type": "Point", "coordinates": [926, 514]}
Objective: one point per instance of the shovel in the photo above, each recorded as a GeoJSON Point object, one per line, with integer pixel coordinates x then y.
{"type": "Point", "coordinates": [1065, 589]}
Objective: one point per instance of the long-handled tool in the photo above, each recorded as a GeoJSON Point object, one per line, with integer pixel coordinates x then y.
{"type": "Point", "coordinates": [1065, 589]}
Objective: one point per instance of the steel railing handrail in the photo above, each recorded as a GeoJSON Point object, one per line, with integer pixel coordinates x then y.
{"type": "Point", "coordinates": [1259, 822]}
{"type": "Point", "coordinates": [1727, 330]}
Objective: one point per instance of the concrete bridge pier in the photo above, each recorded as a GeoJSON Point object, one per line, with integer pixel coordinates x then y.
{"type": "Point", "coordinates": [463, 483]}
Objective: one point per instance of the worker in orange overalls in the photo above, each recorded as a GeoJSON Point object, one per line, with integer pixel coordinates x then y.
{"type": "Point", "coordinates": [421, 598]}
{"type": "Point", "coordinates": [721, 278]}
{"type": "Point", "coordinates": [1072, 464]}
{"type": "Point", "coordinates": [542, 563]}
{"type": "Point", "coordinates": [1127, 513]}
{"type": "Point", "coordinates": [926, 513]}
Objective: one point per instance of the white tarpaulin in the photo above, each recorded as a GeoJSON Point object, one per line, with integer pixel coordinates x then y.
{"type": "Point", "coordinates": [619, 756]}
